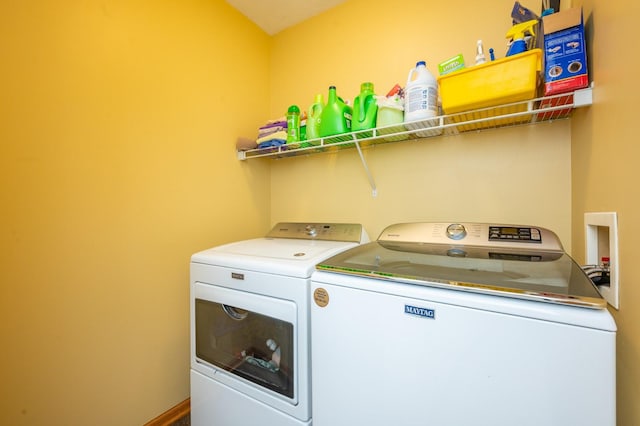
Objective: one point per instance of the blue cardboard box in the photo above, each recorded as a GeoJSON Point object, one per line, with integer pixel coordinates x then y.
{"type": "Point", "coordinates": [565, 53]}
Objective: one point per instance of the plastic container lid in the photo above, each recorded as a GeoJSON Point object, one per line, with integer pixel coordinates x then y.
{"type": "Point", "coordinates": [366, 87]}
{"type": "Point", "coordinates": [294, 109]}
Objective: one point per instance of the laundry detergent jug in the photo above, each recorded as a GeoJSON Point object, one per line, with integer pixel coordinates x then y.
{"type": "Point", "coordinates": [421, 100]}
{"type": "Point", "coordinates": [313, 118]}
{"type": "Point", "coordinates": [336, 117]}
{"type": "Point", "coordinates": [365, 110]}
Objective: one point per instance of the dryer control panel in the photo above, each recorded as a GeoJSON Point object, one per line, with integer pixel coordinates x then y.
{"type": "Point", "coordinates": [347, 232]}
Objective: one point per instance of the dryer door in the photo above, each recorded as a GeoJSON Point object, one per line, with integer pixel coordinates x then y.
{"type": "Point", "coordinates": [247, 336]}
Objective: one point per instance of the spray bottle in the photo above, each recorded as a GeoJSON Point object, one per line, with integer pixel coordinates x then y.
{"type": "Point", "coordinates": [517, 33]}
{"type": "Point", "coordinates": [480, 58]}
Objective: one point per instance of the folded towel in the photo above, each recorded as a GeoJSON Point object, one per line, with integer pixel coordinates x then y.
{"type": "Point", "coordinates": [275, 123]}
{"type": "Point", "coordinates": [272, 142]}
{"type": "Point", "coordinates": [277, 135]}
{"type": "Point", "coordinates": [243, 144]}
{"type": "Point", "coordinates": [269, 130]}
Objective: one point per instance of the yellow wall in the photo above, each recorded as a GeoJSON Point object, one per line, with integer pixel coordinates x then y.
{"type": "Point", "coordinates": [605, 154]}
{"type": "Point", "coordinates": [118, 122]}
{"type": "Point", "coordinates": [518, 175]}
{"type": "Point", "coordinates": [481, 177]}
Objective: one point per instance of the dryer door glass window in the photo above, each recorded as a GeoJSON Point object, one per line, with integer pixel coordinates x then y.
{"type": "Point", "coordinates": [256, 347]}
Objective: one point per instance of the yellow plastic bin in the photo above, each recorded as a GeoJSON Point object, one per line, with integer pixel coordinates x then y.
{"type": "Point", "coordinates": [503, 81]}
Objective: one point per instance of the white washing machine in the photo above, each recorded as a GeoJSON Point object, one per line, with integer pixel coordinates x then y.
{"type": "Point", "coordinates": [460, 324]}
{"type": "Point", "coordinates": [250, 328]}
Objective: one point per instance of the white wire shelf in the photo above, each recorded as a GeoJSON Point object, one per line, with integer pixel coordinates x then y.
{"type": "Point", "coordinates": [533, 111]}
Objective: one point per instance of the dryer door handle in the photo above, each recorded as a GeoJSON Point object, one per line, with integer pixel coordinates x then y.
{"type": "Point", "coordinates": [234, 313]}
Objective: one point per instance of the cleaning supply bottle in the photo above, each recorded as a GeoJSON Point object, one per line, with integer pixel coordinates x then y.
{"type": "Point", "coordinates": [421, 99]}
{"type": "Point", "coordinates": [480, 58]}
{"type": "Point", "coordinates": [365, 108]}
{"type": "Point", "coordinates": [517, 34]}
{"type": "Point", "coordinates": [420, 94]}
{"type": "Point", "coordinates": [293, 124]}
{"type": "Point", "coordinates": [313, 118]}
{"type": "Point", "coordinates": [336, 115]}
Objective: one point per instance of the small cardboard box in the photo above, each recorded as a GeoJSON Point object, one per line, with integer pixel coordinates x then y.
{"type": "Point", "coordinates": [450, 65]}
{"type": "Point", "coordinates": [565, 53]}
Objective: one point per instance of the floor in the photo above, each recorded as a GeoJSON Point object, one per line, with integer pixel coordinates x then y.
{"type": "Point", "coordinates": [185, 421]}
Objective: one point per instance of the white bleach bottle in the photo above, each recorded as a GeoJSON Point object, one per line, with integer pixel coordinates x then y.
{"type": "Point", "coordinates": [421, 100]}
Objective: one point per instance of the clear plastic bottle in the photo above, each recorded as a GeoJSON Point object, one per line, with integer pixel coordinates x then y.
{"type": "Point", "coordinates": [480, 58]}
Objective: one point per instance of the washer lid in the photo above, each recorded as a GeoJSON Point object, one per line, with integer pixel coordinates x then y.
{"type": "Point", "coordinates": [486, 263]}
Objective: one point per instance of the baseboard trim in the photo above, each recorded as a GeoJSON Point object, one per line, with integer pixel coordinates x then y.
{"type": "Point", "coordinates": [172, 415]}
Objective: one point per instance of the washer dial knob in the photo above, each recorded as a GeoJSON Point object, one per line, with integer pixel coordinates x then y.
{"type": "Point", "coordinates": [456, 231]}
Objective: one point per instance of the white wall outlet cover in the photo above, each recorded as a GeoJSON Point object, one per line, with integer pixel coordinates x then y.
{"type": "Point", "coordinates": [596, 248]}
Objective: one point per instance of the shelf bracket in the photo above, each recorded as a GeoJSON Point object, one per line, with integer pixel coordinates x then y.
{"type": "Point", "coordinates": [583, 97]}
{"type": "Point", "coordinates": [374, 190]}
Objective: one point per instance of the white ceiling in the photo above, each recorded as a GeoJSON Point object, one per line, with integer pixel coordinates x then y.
{"type": "Point", "coordinates": [274, 16]}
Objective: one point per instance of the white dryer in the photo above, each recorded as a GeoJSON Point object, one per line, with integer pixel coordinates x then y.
{"type": "Point", "coordinates": [250, 361]}
{"type": "Point", "coordinates": [460, 324]}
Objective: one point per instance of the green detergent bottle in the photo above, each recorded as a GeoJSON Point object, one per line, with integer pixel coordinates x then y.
{"type": "Point", "coordinates": [336, 116]}
{"type": "Point", "coordinates": [365, 110]}
{"type": "Point", "coordinates": [313, 118]}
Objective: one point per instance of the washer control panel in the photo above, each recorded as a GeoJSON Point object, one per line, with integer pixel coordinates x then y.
{"type": "Point", "coordinates": [476, 234]}
{"type": "Point", "coordinates": [513, 233]}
